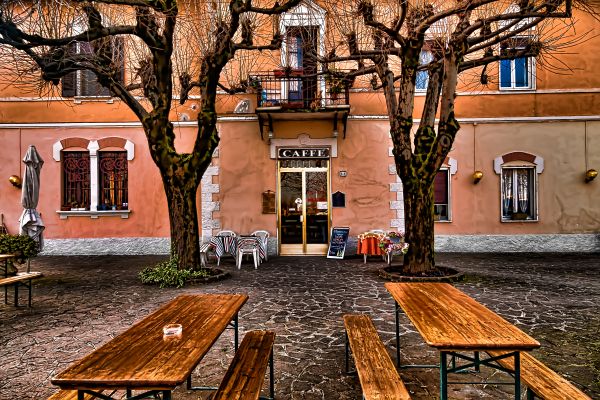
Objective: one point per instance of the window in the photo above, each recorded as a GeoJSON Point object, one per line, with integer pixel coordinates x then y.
{"type": "Point", "coordinates": [113, 180]}
{"type": "Point", "coordinates": [95, 179]}
{"type": "Point", "coordinates": [425, 57]}
{"type": "Point", "coordinates": [84, 83]}
{"type": "Point", "coordinates": [301, 52]}
{"type": "Point", "coordinates": [517, 73]}
{"type": "Point", "coordinates": [518, 193]}
{"type": "Point", "coordinates": [75, 181]}
{"type": "Point", "coordinates": [441, 188]}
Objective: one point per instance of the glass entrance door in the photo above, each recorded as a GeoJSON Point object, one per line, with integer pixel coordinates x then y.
{"type": "Point", "coordinates": [304, 208]}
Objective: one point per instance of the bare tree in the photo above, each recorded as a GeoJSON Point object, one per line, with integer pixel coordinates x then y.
{"type": "Point", "coordinates": [385, 39]}
{"type": "Point", "coordinates": [194, 46]}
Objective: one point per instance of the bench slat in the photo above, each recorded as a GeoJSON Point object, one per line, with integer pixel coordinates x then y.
{"type": "Point", "coordinates": [540, 379]}
{"type": "Point", "coordinates": [377, 373]}
{"type": "Point", "coordinates": [246, 374]}
{"type": "Point", "coordinates": [21, 276]}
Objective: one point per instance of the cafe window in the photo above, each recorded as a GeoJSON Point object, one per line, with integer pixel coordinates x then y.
{"type": "Point", "coordinates": [75, 180]}
{"type": "Point", "coordinates": [441, 189]}
{"type": "Point", "coordinates": [112, 174]}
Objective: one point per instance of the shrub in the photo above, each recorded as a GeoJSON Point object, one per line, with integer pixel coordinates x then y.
{"type": "Point", "coordinates": [167, 274]}
{"type": "Point", "coordinates": [22, 246]}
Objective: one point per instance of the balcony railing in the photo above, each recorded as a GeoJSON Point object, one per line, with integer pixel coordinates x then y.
{"type": "Point", "coordinates": [293, 90]}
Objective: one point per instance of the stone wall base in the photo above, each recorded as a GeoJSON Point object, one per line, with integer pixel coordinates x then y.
{"type": "Point", "coordinates": [564, 243]}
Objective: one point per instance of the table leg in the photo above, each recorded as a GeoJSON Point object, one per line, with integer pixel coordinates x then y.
{"type": "Point", "coordinates": [517, 375]}
{"type": "Point", "coordinates": [397, 336]}
{"type": "Point", "coordinates": [16, 294]}
{"type": "Point", "coordinates": [272, 376]}
{"type": "Point", "coordinates": [347, 351]}
{"type": "Point", "coordinates": [166, 395]}
{"type": "Point", "coordinates": [443, 375]}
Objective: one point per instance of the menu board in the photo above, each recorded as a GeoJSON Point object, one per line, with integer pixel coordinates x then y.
{"type": "Point", "coordinates": [338, 241]}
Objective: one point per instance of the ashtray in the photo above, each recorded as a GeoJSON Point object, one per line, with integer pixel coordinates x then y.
{"type": "Point", "coordinates": [172, 330]}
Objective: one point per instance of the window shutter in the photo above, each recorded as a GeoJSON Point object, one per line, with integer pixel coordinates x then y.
{"type": "Point", "coordinates": [119, 56]}
{"type": "Point", "coordinates": [69, 81]}
{"type": "Point", "coordinates": [440, 187]}
{"type": "Point", "coordinates": [68, 85]}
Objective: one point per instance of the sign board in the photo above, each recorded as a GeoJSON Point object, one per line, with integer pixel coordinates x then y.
{"type": "Point", "coordinates": [337, 242]}
{"type": "Point", "coordinates": [268, 202]}
{"type": "Point", "coordinates": [310, 152]}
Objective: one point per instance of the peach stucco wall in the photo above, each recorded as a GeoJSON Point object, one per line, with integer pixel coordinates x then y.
{"type": "Point", "coordinates": [566, 203]}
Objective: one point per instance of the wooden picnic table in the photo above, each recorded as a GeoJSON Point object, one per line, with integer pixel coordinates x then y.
{"type": "Point", "coordinates": [142, 359]}
{"type": "Point", "coordinates": [452, 322]}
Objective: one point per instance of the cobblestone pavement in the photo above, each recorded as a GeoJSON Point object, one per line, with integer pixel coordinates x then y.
{"type": "Point", "coordinates": [82, 302]}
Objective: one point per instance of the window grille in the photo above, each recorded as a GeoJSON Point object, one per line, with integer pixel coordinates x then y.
{"type": "Point", "coordinates": [76, 180]}
{"type": "Point", "coordinates": [113, 180]}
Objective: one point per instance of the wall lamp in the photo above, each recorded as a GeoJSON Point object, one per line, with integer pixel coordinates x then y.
{"type": "Point", "coordinates": [477, 175]}
{"type": "Point", "coordinates": [590, 175]}
{"type": "Point", "coordinates": [16, 181]}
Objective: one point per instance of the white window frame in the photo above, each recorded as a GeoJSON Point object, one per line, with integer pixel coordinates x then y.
{"type": "Point", "coordinates": [538, 167]}
{"type": "Point", "coordinates": [531, 72]}
{"type": "Point", "coordinates": [425, 57]}
{"type": "Point", "coordinates": [513, 167]}
{"type": "Point", "coordinates": [93, 212]}
{"type": "Point", "coordinates": [307, 13]}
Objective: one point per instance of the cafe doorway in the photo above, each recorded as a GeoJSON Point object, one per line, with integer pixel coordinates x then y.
{"type": "Point", "coordinates": [304, 207]}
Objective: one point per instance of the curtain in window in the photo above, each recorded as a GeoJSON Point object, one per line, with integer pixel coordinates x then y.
{"type": "Point", "coordinates": [507, 189]}
{"type": "Point", "coordinates": [113, 180]}
{"type": "Point", "coordinates": [523, 189]}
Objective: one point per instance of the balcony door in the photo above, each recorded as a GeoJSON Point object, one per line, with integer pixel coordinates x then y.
{"type": "Point", "coordinates": [302, 58]}
{"type": "Point", "coordinates": [303, 207]}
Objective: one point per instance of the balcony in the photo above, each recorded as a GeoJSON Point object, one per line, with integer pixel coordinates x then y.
{"type": "Point", "coordinates": [290, 94]}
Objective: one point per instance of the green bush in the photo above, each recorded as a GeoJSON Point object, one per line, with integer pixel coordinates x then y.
{"type": "Point", "coordinates": [22, 246]}
{"type": "Point", "coordinates": [167, 274]}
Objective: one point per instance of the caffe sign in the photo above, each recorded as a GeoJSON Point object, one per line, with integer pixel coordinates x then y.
{"type": "Point", "coordinates": [312, 152]}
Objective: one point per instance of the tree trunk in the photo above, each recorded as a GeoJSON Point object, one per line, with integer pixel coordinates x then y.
{"type": "Point", "coordinates": [418, 211]}
{"type": "Point", "coordinates": [183, 219]}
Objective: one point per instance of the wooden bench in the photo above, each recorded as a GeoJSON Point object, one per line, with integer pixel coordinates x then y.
{"type": "Point", "coordinates": [541, 381]}
{"type": "Point", "coordinates": [245, 376]}
{"type": "Point", "coordinates": [22, 278]}
{"type": "Point", "coordinates": [376, 371]}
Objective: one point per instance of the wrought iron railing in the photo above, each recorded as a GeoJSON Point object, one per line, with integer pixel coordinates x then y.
{"type": "Point", "coordinates": [293, 90]}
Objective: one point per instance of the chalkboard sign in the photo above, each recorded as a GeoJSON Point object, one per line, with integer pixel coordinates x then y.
{"type": "Point", "coordinates": [337, 243]}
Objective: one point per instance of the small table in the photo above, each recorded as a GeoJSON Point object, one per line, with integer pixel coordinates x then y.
{"type": "Point", "coordinates": [452, 322]}
{"type": "Point", "coordinates": [224, 245]}
{"type": "Point", "coordinates": [142, 359]}
{"type": "Point", "coordinates": [368, 245]}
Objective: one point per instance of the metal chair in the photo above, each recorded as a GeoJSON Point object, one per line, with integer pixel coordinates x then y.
{"type": "Point", "coordinates": [264, 238]}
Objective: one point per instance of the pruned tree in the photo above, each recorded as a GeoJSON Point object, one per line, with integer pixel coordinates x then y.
{"type": "Point", "coordinates": [186, 45]}
{"type": "Point", "coordinates": [384, 39]}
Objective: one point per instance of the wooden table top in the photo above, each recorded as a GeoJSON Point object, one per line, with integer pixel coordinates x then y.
{"type": "Point", "coordinates": [449, 319]}
{"type": "Point", "coordinates": [141, 358]}
{"type": "Point", "coordinates": [4, 257]}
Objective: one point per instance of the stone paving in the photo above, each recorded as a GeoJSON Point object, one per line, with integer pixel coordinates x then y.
{"type": "Point", "coordinates": [84, 301]}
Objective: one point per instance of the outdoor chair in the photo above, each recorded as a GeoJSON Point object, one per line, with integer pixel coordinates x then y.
{"type": "Point", "coordinates": [248, 245]}
{"type": "Point", "coordinates": [264, 238]}
{"type": "Point", "coordinates": [226, 245]}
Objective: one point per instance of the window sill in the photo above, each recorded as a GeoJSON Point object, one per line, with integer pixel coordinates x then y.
{"type": "Point", "coordinates": [442, 220]}
{"type": "Point", "coordinates": [519, 220]}
{"type": "Point", "coordinates": [124, 214]}
{"type": "Point", "coordinates": [96, 99]}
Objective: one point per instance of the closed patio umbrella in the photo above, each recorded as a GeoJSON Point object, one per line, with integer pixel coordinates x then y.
{"type": "Point", "coordinates": [31, 223]}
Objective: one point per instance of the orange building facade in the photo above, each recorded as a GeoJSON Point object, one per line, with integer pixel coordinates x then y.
{"type": "Point", "coordinates": [298, 174]}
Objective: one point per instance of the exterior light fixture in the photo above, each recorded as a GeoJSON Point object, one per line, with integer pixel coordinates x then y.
{"type": "Point", "coordinates": [16, 181]}
{"type": "Point", "coordinates": [477, 175]}
{"type": "Point", "coordinates": [590, 175]}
